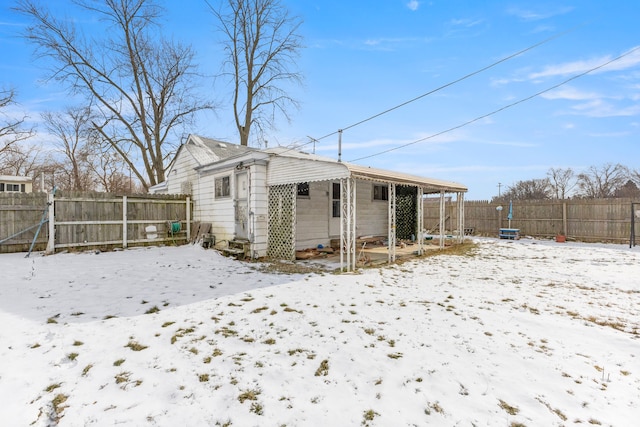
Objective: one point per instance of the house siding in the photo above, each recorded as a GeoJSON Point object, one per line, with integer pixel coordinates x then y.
{"type": "Point", "coordinates": [219, 212]}
{"type": "Point", "coordinates": [312, 224]}
{"type": "Point", "coordinates": [372, 216]}
{"type": "Point", "coordinates": [287, 170]}
{"type": "Point", "coordinates": [182, 172]}
{"type": "Point", "coordinates": [314, 214]}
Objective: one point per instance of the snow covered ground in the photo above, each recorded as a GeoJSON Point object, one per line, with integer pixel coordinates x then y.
{"type": "Point", "coordinates": [523, 333]}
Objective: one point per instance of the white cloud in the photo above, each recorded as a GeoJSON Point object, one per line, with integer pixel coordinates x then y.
{"type": "Point", "coordinates": [533, 15]}
{"type": "Point", "coordinates": [486, 168]}
{"type": "Point", "coordinates": [389, 43]}
{"type": "Point", "coordinates": [466, 22]}
{"type": "Point", "coordinates": [413, 5]}
{"type": "Point", "coordinates": [384, 144]}
{"type": "Point", "coordinates": [570, 93]}
{"type": "Point", "coordinates": [632, 59]}
{"type": "Point", "coordinates": [591, 104]}
{"type": "Point", "coordinates": [543, 29]}
{"type": "Point", "coordinates": [600, 108]}
{"type": "Point", "coordinates": [569, 68]}
{"type": "Point", "coordinates": [12, 24]}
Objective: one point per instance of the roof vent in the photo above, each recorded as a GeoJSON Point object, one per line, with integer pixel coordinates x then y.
{"type": "Point", "coordinates": [221, 145]}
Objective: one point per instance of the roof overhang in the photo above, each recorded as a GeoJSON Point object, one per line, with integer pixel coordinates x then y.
{"type": "Point", "coordinates": [429, 185]}
{"type": "Point", "coordinates": [14, 178]}
{"type": "Point", "coordinates": [292, 167]}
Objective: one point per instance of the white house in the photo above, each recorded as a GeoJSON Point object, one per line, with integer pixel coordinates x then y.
{"type": "Point", "coordinates": [15, 184]}
{"type": "Point", "coordinates": [280, 200]}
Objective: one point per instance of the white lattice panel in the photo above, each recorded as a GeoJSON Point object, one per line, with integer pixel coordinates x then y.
{"type": "Point", "coordinates": [282, 229]}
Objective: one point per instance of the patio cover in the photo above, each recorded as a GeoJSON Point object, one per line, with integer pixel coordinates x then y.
{"type": "Point", "coordinates": [287, 166]}
{"type": "Point", "coordinates": [292, 167]}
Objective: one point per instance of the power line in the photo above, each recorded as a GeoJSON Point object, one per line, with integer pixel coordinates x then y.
{"type": "Point", "coordinates": [504, 59]}
{"type": "Point", "coordinates": [504, 107]}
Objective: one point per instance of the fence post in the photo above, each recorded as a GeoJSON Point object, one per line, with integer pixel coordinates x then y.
{"type": "Point", "coordinates": [188, 219]}
{"type": "Point", "coordinates": [632, 238]}
{"type": "Point", "coordinates": [124, 222]}
{"type": "Point", "coordinates": [51, 243]}
{"type": "Point", "coordinates": [564, 218]}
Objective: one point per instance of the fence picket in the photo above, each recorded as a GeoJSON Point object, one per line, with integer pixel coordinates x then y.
{"type": "Point", "coordinates": [588, 220]}
{"type": "Point", "coordinates": [91, 219]}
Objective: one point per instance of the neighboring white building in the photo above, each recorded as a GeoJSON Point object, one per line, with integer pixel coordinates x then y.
{"type": "Point", "coordinates": [281, 200]}
{"type": "Point", "coordinates": [15, 184]}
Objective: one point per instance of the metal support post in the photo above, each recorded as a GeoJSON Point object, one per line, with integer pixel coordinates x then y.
{"type": "Point", "coordinates": [460, 199]}
{"type": "Point", "coordinates": [392, 223]}
{"type": "Point", "coordinates": [348, 224]}
{"type": "Point", "coordinates": [442, 219]}
{"type": "Point", "coordinates": [420, 221]}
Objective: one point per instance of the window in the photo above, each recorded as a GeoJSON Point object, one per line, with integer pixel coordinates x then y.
{"type": "Point", "coordinates": [380, 192]}
{"type": "Point", "coordinates": [303, 189]}
{"type": "Point", "coordinates": [1, 187]}
{"type": "Point", "coordinates": [335, 204]}
{"type": "Point", "coordinates": [223, 188]}
{"type": "Point", "coordinates": [10, 188]}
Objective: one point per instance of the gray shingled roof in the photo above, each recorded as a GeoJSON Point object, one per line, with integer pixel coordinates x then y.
{"type": "Point", "coordinates": [207, 150]}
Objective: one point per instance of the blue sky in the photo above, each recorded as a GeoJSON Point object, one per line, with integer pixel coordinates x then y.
{"type": "Point", "coordinates": [364, 57]}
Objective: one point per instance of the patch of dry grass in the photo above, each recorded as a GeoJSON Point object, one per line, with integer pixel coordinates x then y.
{"type": "Point", "coordinates": [511, 410]}
{"type": "Point", "coordinates": [323, 369]}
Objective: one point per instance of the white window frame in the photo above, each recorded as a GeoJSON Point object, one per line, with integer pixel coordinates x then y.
{"type": "Point", "coordinates": [222, 189]}
{"type": "Point", "coordinates": [383, 192]}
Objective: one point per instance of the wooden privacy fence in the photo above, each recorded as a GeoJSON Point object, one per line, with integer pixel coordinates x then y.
{"type": "Point", "coordinates": [588, 220]}
{"type": "Point", "coordinates": [20, 216]}
{"type": "Point", "coordinates": [102, 220]}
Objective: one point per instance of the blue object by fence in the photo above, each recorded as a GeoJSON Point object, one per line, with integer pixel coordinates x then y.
{"type": "Point", "coordinates": [175, 227]}
{"type": "Point", "coordinates": [509, 233]}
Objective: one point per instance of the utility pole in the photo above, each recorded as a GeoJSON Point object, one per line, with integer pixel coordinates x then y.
{"type": "Point", "coordinates": [499, 185]}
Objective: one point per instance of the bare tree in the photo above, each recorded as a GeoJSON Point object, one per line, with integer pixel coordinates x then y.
{"type": "Point", "coordinates": [33, 161]}
{"type": "Point", "coordinates": [629, 190]}
{"type": "Point", "coordinates": [11, 128]}
{"type": "Point", "coordinates": [635, 176]}
{"type": "Point", "coordinates": [561, 182]}
{"type": "Point", "coordinates": [71, 131]}
{"type": "Point", "coordinates": [22, 160]}
{"type": "Point", "coordinates": [111, 172]}
{"type": "Point", "coordinates": [141, 84]}
{"type": "Point", "coordinates": [533, 189]}
{"type": "Point", "coordinates": [262, 44]}
{"type": "Point", "coordinates": [602, 182]}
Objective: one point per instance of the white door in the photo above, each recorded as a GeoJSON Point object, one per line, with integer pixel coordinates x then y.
{"type": "Point", "coordinates": [241, 197]}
